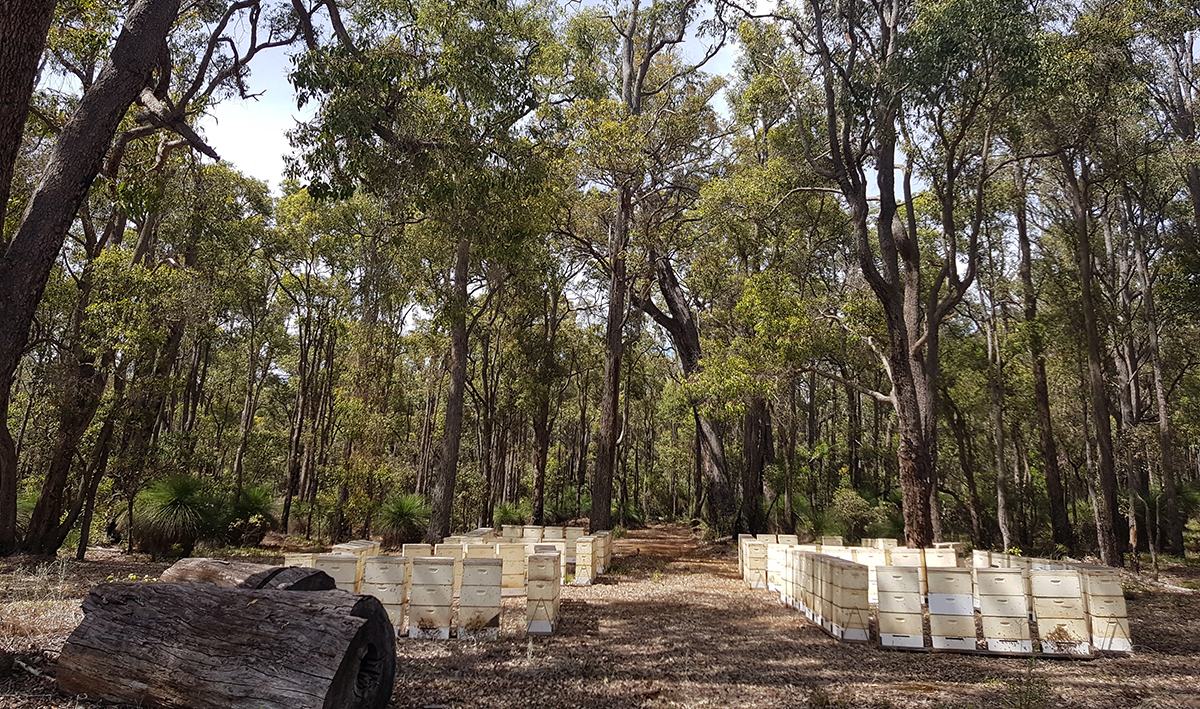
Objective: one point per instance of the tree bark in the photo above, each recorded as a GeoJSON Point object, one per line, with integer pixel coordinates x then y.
{"type": "Point", "coordinates": [442, 503]}
{"type": "Point", "coordinates": [206, 646]}
{"type": "Point", "coordinates": [610, 383]}
{"type": "Point", "coordinates": [1047, 448]}
{"type": "Point", "coordinates": [24, 25]}
{"type": "Point", "coordinates": [1173, 529]}
{"type": "Point", "coordinates": [73, 164]}
{"type": "Point", "coordinates": [1108, 512]}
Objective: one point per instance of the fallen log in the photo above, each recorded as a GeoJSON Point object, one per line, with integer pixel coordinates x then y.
{"type": "Point", "coordinates": [240, 574]}
{"type": "Point", "coordinates": [212, 647]}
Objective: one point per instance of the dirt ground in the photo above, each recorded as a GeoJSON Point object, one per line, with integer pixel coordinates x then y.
{"type": "Point", "coordinates": [673, 626]}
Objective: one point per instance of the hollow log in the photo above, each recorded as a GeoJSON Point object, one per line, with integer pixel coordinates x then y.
{"type": "Point", "coordinates": [204, 646]}
{"type": "Point", "coordinates": [240, 574]}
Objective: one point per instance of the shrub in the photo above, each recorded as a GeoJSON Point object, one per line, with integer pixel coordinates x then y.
{"type": "Point", "coordinates": [173, 514]}
{"type": "Point", "coordinates": [404, 519]}
{"type": "Point", "coordinates": [249, 517]}
{"type": "Point", "coordinates": [510, 513]}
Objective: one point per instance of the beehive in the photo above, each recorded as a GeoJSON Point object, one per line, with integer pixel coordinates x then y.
{"type": "Point", "coordinates": [306, 561]}
{"type": "Point", "coordinates": [542, 594]}
{"type": "Point", "coordinates": [384, 578]}
{"type": "Point", "coordinates": [431, 597]}
{"type": "Point", "coordinates": [756, 564]}
{"type": "Point", "coordinates": [1061, 618]}
{"type": "Point", "coordinates": [789, 539]}
{"type": "Point", "coordinates": [513, 555]}
{"type": "Point", "coordinates": [901, 624]}
{"type": "Point", "coordinates": [585, 560]}
{"type": "Point", "coordinates": [951, 597]}
{"type": "Point", "coordinates": [1005, 610]}
{"type": "Point", "coordinates": [456, 552]}
{"type": "Point", "coordinates": [571, 535]}
{"type": "Point", "coordinates": [775, 561]}
{"type": "Point", "coordinates": [915, 558]}
{"type": "Point", "coordinates": [344, 569]}
{"type": "Point", "coordinates": [604, 547]}
{"type": "Point", "coordinates": [851, 608]}
{"type": "Point", "coordinates": [1106, 610]}
{"type": "Point", "coordinates": [832, 542]}
{"type": "Point", "coordinates": [531, 533]}
{"type": "Point", "coordinates": [554, 547]}
{"type": "Point", "coordinates": [479, 601]}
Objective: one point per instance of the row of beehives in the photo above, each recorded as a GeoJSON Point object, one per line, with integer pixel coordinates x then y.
{"type": "Point", "coordinates": [419, 592]}
{"type": "Point", "coordinates": [1074, 610]}
{"type": "Point", "coordinates": [357, 567]}
{"type": "Point", "coordinates": [761, 559]}
{"type": "Point", "coordinates": [587, 562]}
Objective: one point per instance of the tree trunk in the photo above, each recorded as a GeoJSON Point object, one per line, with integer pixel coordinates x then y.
{"type": "Point", "coordinates": [73, 164]}
{"type": "Point", "coordinates": [241, 574]}
{"type": "Point", "coordinates": [541, 437]}
{"type": "Point", "coordinates": [1173, 529]}
{"type": "Point", "coordinates": [206, 646]}
{"type": "Point", "coordinates": [24, 25]}
{"type": "Point", "coordinates": [1047, 448]}
{"type": "Point", "coordinates": [442, 504]}
{"type": "Point", "coordinates": [610, 384]}
{"type": "Point", "coordinates": [1108, 511]}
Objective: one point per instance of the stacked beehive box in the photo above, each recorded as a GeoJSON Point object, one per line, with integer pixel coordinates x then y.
{"type": "Point", "coordinates": [941, 558]}
{"type": "Point", "coordinates": [756, 564]}
{"type": "Point", "coordinates": [431, 597]}
{"type": "Point", "coordinates": [480, 550]}
{"type": "Point", "coordinates": [553, 547]}
{"type": "Point", "coordinates": [1002, 603]}
{"type": "Point", "coordinates": [872, 559]}
{"type": "Point", "coordinates": [510, 532]}
{"type": "Point", "coordinates": [344, 569]}
{"type": "Point", "coordinates": [570, 536]}
{"type": "Point", "coordinates": [414, 551]}
{"type": "Point", "coordinates": [457, 552]}
{"type": "Point", "coordinates": [604, 543]}
{"type": "Point", "coordinates": [1106, 610]}
{"type": "Point", "coordinates": [513, 579]}
{"type": "Point", "coordinates": [1061, 613]}
{"type": "Point", "coordinates": [384, 578]}
{"type": "Point", "coordinates": [901, 624]}
{"type": "Point", "coordinates": [742, 541]}
{"type": "Point", "coordinates": [951, 609]}
{"type": "Point", "coordinates": [851, 609]}
{"type": "Point", "coordinates": [832, 542]}
{"type": "Point", "coordinates": [910, 558]}
{"type": "Point", "coordinates": [531, 533]}
{"type": "Point", "coordinates": [542, 593]}
{"type": "Point", "coordinates": [776, 557]}
{"type": "Point", "coordinates": [768, 538]}
{"type": "Point", "coordinates": [789, 539]}
{"type": "Point", "coordinates": [306, 561]}
{"type": "Point", "coordinates": [585, 560]}
{"type": "Point", "coordinates": [479, 600]}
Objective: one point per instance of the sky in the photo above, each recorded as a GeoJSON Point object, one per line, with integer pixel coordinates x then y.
{"type": "Point", "coordinates": [251, 134]}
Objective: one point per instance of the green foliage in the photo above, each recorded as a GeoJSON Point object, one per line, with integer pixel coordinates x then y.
{"type": "Point", "coordinates": [250, 516]}
{"type": "Point", "coordinates": [404, 519]}
{"type": "Point", "coordinates": [173, 514]}
{"type": "Point", "coordinates": [511, 513]}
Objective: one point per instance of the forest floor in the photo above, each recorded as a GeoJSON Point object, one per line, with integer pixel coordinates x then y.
{"type": "Point", "coordinates": [672, 625]}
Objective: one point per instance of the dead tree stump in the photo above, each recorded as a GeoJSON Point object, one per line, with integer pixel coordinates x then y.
{"type": "Point", "coordinates": [240, 574]}
{"type": "Point", "coordinates": [210, 647]}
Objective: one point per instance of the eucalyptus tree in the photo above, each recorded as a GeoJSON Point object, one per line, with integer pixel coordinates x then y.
{"type": "Point", "coordinates": [637, 49]}
{"type": "Point", "coordinates": [423, 106]}
{"type": "Point", "coordinates": [141, 66]}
